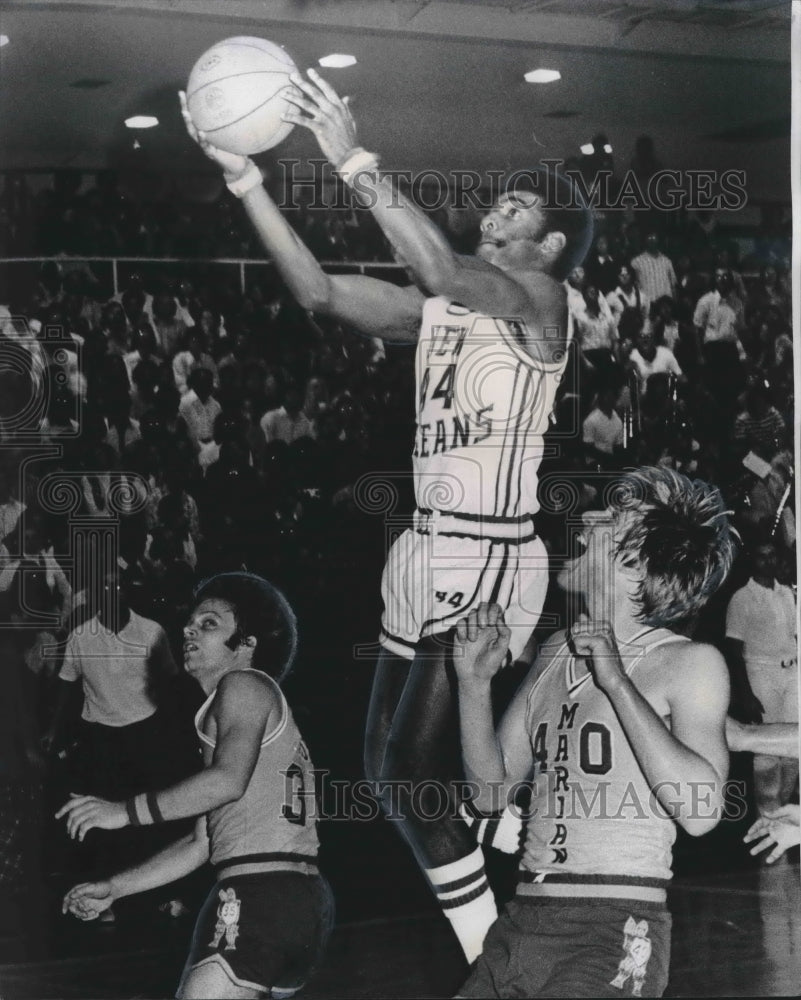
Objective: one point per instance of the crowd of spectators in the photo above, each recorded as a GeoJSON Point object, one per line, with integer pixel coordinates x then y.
{"type": "Point", "coordinates": [239, 428]}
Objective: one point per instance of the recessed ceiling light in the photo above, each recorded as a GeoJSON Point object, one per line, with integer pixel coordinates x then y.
{"type": "Point", "coordinates": [141, 121]}
{"type": "Point", "coordinates": [4, 40]}
{"type": "Point", "coordinates": [337, 61]}
{"type": "Point", "coordinates": [542, 76]}
{"type": "Point", "coordinates": [588, 149]}
{"type": "Point", "coordinates": [607, 148]}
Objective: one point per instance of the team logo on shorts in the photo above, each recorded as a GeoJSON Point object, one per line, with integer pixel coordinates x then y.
{"type": "Point", "coordinates": [227, 920]}
{"type": "Point", "coordinates": [634, 964]}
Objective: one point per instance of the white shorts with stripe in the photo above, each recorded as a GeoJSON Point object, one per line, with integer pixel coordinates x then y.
{"type": "Point", "coordinates": [446, 565]}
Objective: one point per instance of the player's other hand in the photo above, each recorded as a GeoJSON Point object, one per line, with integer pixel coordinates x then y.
{"type": "Point", "coordinates": [88, 900]}
{"type": "Point", "coordinates": [87, 812]}
{"type": "Point", "coordinates": [595, 640]}
{"type": "Point", "coordinates": [480, 644]}
{"type": "Point", "coordinates": [321, 110]}
{"type": "Point", "coordinates": [233, 164]}
{"type": "Point", "coordinates": [780, 829]}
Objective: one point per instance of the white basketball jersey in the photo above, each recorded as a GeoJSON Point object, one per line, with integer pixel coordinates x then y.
{"type": "Point", "coordinates": [483, 405]}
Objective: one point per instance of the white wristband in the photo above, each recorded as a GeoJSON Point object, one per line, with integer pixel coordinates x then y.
{"type": "Point", "coordinates": [251, 178]}
{"type": "Point", "coordinates": [356, 161]}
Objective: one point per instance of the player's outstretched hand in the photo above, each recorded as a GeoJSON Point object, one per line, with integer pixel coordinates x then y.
{"type": "Point", "coordinates": [321, 110]}
{"type": "Point", "coordinates": [88, 900]}
{"type": "Point", "coordinates": [233, 164]}
{"type": "Point", "coordinates": [480, 644]}
{"type": "Point", "coordinates": [780, 829]}
{"type": "Point", "coordinates": [595, 640]}
{"type": "Point", "coordinates": [87, 812]}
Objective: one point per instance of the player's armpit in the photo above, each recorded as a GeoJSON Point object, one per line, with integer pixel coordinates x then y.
{"type": "Point", "coordinates": [376, 308]}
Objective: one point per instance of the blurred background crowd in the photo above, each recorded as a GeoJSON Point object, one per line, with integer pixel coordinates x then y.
{"type": "Point", "coordinates": [214, 425]}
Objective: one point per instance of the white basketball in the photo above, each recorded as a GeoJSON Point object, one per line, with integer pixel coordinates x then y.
{"type": "Point", "coordinates": [233, 94]}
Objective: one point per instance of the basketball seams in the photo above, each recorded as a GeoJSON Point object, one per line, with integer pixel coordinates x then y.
{"type": "Point", "coordinates": [217, 128]}
{"type": "Point", "coordinates": [233, 76]}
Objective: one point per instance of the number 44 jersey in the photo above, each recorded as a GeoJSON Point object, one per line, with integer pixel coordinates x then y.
{"type": "Point", "coordinates": [483, 405]}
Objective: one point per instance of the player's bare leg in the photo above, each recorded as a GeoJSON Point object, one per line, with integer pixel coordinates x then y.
{"type": "Point", "coordinates": [412, 748]}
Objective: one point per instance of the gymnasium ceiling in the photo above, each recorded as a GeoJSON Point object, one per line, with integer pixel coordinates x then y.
{"type": "Point", "coordinates": [437, 84]}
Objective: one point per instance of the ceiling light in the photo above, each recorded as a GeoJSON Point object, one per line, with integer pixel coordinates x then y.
{"type": "Point", "coordinates": [141, 121]}
{"type": "Point", "coordinates": [337, 61]}
{"type": "Point", "coordinates": [4, 40]}
{"type": "Point", "coordinates": [588, 149]}
{"type": "Point", "coordinates": [607, 148]}
{"type": "Point", "coordinates": [542, 76]}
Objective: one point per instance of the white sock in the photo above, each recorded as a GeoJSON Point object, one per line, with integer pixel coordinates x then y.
{"type": "Point", "coordinates": [463, 892]}
{"type": "Point", "coordinates": [501, 832]}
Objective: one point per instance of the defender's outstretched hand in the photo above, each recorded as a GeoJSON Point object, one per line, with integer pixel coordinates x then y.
{"type": "Point", "coordinates": [480, 644]}
{"type": "Point", "coordinates": [233, 164]}
{"type": "Point", "coordinates": [780, 829]}
{"type": "Point", "coordinates": [87, 812]}
{"type": "Point", "coordinates": [596, 641]}
{"type": "Point", "coordinates": [325, 114]}
{"type": "Point", "coordinates": [88, 900]}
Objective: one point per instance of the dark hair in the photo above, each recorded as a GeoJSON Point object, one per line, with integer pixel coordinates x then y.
{"type": "Point", "coordinates": [259, 610]}
{"type": "Point", "coordinates": [565, 212]}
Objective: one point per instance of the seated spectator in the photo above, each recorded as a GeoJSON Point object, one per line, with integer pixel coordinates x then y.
{"type": "Point", "coordinates": [601, 267]}
{"type": "Point", "coordinates": [288, 422]}
{"type": "Point", "coordinates": [144, 349]}
{"type": "Point", "coordinates": [648, 359]}
{"type": "Point", "coordinates": [759, 427]}
{"type": "Point", "coordinates": [663, 313]}
{"type": "Point", "coordinates": [169, 329]}
{"type": "Point", "coordinates": [195, 356]}
{"type": "Point", "coordinates": [199, 409]}
{"type": "Point", "coordinates": [602, 430]}
{"type": "Point", "coordinates": [629, 306]}
{"type": "Point", "coordinates": [122, 429]}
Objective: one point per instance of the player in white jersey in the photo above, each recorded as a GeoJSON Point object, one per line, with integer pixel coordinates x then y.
{"type": "Point", "coordinates": [492, 343]}
{"type": "Point", "coordinates": [267, 919]}
{"type": "Point", "coordinates": [619, 733]}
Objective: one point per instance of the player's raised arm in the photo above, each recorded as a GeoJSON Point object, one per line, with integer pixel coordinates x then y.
{"type": "Point", "coordinates": [498, 282]}
{"type": "Point", "coordinates": [493, 761]}
{"type": "Point", "coordinates": [376, 308]}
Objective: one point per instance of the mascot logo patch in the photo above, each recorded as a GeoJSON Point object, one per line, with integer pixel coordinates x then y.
{"type": "Point", "coordinates": [634, 964]}
{"type": "Point", "coordinates": [227, 920]}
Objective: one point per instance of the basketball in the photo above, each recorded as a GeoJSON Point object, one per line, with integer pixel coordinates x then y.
{"type": "Point", "coordinates": [233, 94]}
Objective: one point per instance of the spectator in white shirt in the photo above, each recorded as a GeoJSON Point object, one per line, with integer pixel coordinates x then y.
{"type": "Point", "coordinates": [655, 274]}
{"type": "Point", "coordinates": [288, 422]}
{"type": "Point", "coordinates": [194, 356]}
{"type": "Point", "coordinates": [719, 319]}
{"type": "Point", "coordinates": [648, 359]}
{"type": "Point", "coordinates": [761, 640]}
{"type": "Point", "coordinates": [199, 409]}
{"type": "Point", "coordinates": [144, 349]}
{"type": "Point", "coordinates": [602, 430]}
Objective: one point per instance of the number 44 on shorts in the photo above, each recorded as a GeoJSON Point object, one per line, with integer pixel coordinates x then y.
{"type": "Point", "coordinates": [455, 600]}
